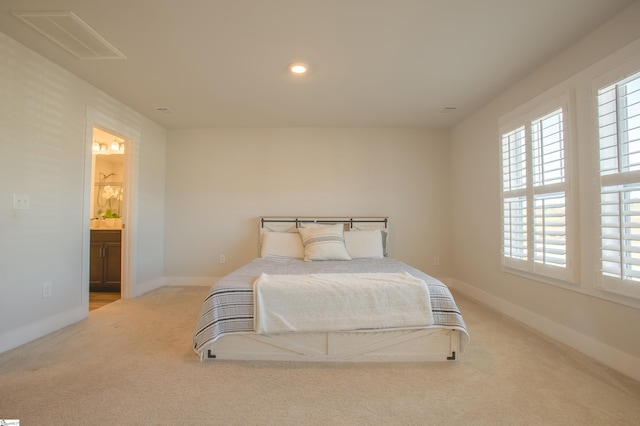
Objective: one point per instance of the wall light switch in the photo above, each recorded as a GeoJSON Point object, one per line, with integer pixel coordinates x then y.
{"type": "Point", "coordinates": [21, 202]}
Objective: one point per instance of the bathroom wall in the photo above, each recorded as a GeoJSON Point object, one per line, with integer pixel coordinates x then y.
{"type": "Point", "coordinates": [111, 167]}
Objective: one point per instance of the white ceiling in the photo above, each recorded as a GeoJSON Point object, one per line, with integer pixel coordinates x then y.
{"type": "Point", "coordinates": [374, 63]}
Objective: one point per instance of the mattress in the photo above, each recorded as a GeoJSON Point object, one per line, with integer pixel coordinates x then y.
{"type": "Point", "coordinates": [229, 305]}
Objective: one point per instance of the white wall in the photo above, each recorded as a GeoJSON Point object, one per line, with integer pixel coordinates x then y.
{"type": "Point", "coordinates": [603, 329]}
{"type": "Point", "coordinates": [43, 151]}
{"type": "Point", "coordinates": [219, 181]}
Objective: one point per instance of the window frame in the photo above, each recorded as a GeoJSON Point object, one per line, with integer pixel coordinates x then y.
{"type": "Point", "coordinates": [609, 284]}
{"type": "Point", "coordinates": [524, 117]}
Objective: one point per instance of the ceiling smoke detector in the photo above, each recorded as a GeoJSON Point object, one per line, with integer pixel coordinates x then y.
{"type": "Point", "coordinates": [71, 33]}
{"type": "Point", "coordinates": [448, 109]}
{"type": "Point", "coordinates": [164, 110]}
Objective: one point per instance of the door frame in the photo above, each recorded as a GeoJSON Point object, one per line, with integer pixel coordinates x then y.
{"type": "Point", "coordinates": [131, 135]}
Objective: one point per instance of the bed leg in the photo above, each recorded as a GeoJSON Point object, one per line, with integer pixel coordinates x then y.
{"type": "Point", "coordinates": [452, 357]}
{"type": "Point", "coordinates": [212, 356]}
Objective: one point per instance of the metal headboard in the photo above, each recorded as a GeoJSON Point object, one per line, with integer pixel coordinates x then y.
{"type": "Point", "coordinates": [327, 220]}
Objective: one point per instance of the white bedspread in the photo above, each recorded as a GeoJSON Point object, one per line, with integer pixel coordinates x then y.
{"type": "Point", "coordinates": [340, 302]}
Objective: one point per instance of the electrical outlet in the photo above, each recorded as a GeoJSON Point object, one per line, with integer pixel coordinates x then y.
{"type": "Point", "coordinates": [47, 289]}
{"type": "Point", "coordinates": [436, 260]}
{"type": "Point", "coordinates": [21, 202]}
{"type": "Point", "coordinates": [223, 259]}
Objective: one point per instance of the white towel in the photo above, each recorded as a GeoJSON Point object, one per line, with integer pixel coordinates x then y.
{"type": "Point", "coordinates": [340, 302]}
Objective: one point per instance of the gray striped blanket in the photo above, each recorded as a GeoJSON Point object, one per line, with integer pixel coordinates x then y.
{"type": "Point", "coordinates": [228, 308]}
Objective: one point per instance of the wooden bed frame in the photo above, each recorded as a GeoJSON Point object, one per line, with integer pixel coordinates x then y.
{"type": "Point", "coordinates": [434, 344]}
{"type": "Point", "coordinates": [406, 345]}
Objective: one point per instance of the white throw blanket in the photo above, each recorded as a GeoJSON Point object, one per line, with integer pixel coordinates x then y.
{"type": "Point", "coordinates": [340, 302]}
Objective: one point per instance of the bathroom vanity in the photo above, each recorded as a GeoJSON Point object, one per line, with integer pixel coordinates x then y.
{"type": "Point", "coordinates": [105, 264]}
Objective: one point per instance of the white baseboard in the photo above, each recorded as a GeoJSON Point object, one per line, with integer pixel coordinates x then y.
{"type": "Point", "coordinates": [19, 336]}
{"type": "Point", "coordinates": [448, 281]}
{"type": "Point", "coordinates": [147, 286]}
{"type": "Point", "coordinates": [190, 281]}
{"type": "Point", "coordinates": [608, 355]}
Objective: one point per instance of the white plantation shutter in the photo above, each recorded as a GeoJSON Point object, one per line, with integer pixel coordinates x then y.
{"type": "Point", "coordinates": [550, 231]}
{"type": "Point", "coordinates": [514, 182]}
{"type": "Point", "coordinates": [514, 160]}
{"type": "Point", "coordinates": [515, 228]}
{"type": "Point", "coordinates": [547, 137]}
{"type": "Point", "coordinates": [620, 232]}
{"type": "Point", "coordinates": [619, 160]}
{"type": "Point", "coordinates": [549, 216]}
{"type": "Point", "coordinates": [534, 194]}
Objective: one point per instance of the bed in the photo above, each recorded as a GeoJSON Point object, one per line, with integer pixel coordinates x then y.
{"type": "Point", "coordinates": [323, 262]}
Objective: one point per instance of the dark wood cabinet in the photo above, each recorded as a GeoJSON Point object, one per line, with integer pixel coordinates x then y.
{"type": "Point", "coordinates": [105, 255]}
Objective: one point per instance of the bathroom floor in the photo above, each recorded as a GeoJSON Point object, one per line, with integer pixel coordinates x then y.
{"type": "Point", "coordinates": [99, 299]}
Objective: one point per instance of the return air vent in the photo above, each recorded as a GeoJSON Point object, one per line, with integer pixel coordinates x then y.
{"type": "Point", "coordinates": [71, 33]}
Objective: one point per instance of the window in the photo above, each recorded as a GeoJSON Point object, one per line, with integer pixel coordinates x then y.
{"type": "Point", "coordinates": [535, 185]}
{"type": "Point", "coordinates": [619, 171]}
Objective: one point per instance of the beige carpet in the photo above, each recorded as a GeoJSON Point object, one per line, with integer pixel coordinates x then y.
{"type": "Point", "coordinates": [131, 363]}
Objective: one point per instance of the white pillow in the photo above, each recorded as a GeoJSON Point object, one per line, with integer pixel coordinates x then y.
{"type": "Point", "coordinates": [324, 242]}
{"type": "Point", "coordinates": [374, 227]}
{"type": "Point", "coordinates": [282, 244]}
{"type": "Point", "coordinates": [364, 244]}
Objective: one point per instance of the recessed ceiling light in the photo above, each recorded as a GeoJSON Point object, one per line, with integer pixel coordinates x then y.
{"type": "Point", "coordinates": [298, 68]}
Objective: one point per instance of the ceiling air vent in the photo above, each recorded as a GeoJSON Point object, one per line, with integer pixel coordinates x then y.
{"type": "Point", "coordinates": [71, 33]}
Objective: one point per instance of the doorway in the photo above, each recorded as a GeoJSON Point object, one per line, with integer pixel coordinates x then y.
{"type": "Point", "coordinates": [107, 183]}
{"type": "Point", "coordinates": [127, 129]}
